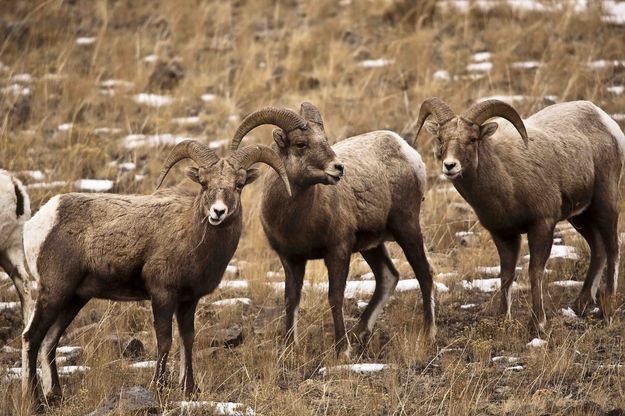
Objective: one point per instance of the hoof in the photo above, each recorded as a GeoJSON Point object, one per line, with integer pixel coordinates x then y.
{"type": "Point", "coordinates": [538, 328]}
{"type": "Point", "coordinates": [191, 391]}
{"type": "Point", "coordinates": [360, 334]}
{"type": "Point", "coordinates": [344, 353]}
{"type": "Point", "coordinates": [582, 306]}
{"type": "Point", "coordinates": [428, 335]}
{"type": "Point", "coordinates": [54, 398]}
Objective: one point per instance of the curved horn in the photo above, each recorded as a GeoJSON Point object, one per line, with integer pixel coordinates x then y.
{"type": "Point", "coordinates": [284, 118]}
{"type": "Point", "coordinates": [480, 112]}
{"type": "Point", "coordinates": [200, 153]}
{"type": "Point", "coordinates": [436, 106]}
{"type": "Point", "coordinates": [249, 155]}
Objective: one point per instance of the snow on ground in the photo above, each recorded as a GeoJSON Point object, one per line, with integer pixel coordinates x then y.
{"type": "Point", "coordinates": [133, 141]}
{"type": "Point", "coordinates": [618, 117]}
{"type": "Point", "coordinates": [85, 41]}
{"type": "Point", "coordinates": [480, 66]}
{"type": "Point", "coordinates": [375, 63]}
{"type": "Point", "coordinates": [505, 359]}
{"type": "Point", "coordinates": [468, 306]}
{"type": "Point", "coordinates": [107, 130]}
{"type": "Point", "coordinates": [47, 185]}
{"type": "Point", "coordinates": [9, 305]}
{"type": "Point", "coordinates": [94, 185]}
{"type": "Point", "coordinates": [494, 270]}
{"type": "Point", "coordinates": [15, 89]}
{"type": "Point", "coordinates": [187, 121]}
{"type": "Point", "coordinates": [71, 369]}
{"type": "Point", "coordinates": [208, 97]}
{"type": "Point", "coordinates": [68, 349]}
{"type": "Point", "coordinates": [441, 75]}
{"type": "Point", "coordinates": [232, 269]}
{"type": "Point", "coordinates": [21, 78]}
{"type": "Point", "coordinates": [35, 175]}
{"type": "Point", "coordinates": [215, 408]}
{"type": "Point", "coordinates": [151, 58]}
{"type": "Point", "coordinates": [152, 100]}
{"type": "Point", "coordinates": [568, 283]}
{"type": "Point", "coordinates": [568, 312]}
{"type": "Point", "coordinates": [364, 368]}
{"type": "Point", "coordinates": [367, 276]}
{"type": "Point", "coordinates": [117, 83]}
{"type": "Point", "coordinates": [526, 65]}
{"type": "Point", "coordinates": [4, 276]}
{"type": "Point", "coordinates": [65, 127]}
{"type": "Point", "coordinates": [232, 302]}
{"type": "Point", "coordinates": [616, 89]}
{"type": "Point", "coordinates": [537, 343]}
{"type": "Point", "coordinates": [485, 285]}
{"type": "Point", "coordinates": [510, 99]}
{"type": "Point", "coordinates": [143, 364]}
{"type": "Point", "coordinates": [603, 63]}
{"type": "Point", "coordinates": [560, 252]}
{"type": "Point", "coordinates": [514, 368]}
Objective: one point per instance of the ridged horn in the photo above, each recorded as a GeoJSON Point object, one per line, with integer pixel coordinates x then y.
{"type": "Point", "coordinates": [247, 156]}
{"type": "Point", "coordinates": [200, 153]}
{"type": "Point", "coordinates": [480, 112]}
{"type": "Point", "coordinates": [284, 118]}
{"type": "Point", "coordinates": [436, 106]}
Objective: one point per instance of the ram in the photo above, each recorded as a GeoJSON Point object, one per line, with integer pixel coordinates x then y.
{"type": "Point", "coordinates": [563, 163]}
{"type": "Point", "coordinates": [14, 213]}
{"type": "Point", "coordinates": [332, 214]}
{"type": "Point", "coordinates": [171, 247]}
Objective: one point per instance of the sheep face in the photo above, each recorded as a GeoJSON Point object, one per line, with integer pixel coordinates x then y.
{"type": "Point", "coordinates": [221, 184]}
{"type": "Point", "coordinates": [458, 141]}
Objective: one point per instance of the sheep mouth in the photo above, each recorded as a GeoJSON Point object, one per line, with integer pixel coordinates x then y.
{"type": "Point", "coordinates": [452, 175]}
{"type": "Point", "coordinates": [333, 179]}
{"type": "Point", "coordinates": [215, 221]}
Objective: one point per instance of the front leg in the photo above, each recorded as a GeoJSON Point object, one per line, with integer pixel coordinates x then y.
{"type": "Point", "coordinates": [294, 279]}
{"type": "Point", "coordinates": [337, 263]}
{"type": "Point", "coordinates": [540, 239]}
{"type": "Point", "coordinates": [508, 247]}
{"type": "Point", "coordinates": [185, 316]}
{"type": "Point", "coordinates": [162, 311]}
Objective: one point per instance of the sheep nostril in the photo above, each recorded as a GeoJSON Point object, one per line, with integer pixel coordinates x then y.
{"type": "Point", "coordinates": [449, 165]}
{"type": "Point", "coordinates": [340, 167]}
{"type": "Point", "coordinates": [219, 212]}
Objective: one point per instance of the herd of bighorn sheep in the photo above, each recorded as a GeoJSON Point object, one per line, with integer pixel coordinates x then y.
{"type": "Point", "coordinates": [319, 202]}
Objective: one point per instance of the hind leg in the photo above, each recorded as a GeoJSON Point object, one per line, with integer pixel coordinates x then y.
{"type": "Point", "coordinates": [14, 263]}
{"type": "Point", "coordinates": [386, 278]}
{"type": "Point", "coordinates": [50, 375]}
{"type": "Point", "coordinates": [407, 233]}
{"type": "Point", "coordinates": [588, 229]}
{"type": "Point", "coordinates": [607, 225]}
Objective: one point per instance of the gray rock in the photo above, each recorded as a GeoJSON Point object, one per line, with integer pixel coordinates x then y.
{"type": "Point", "coordinates": [129, 401]}
{"type": "Point", "coordinates": [228, 337]}
{"type": "Point", "coordinates": [133, 349]}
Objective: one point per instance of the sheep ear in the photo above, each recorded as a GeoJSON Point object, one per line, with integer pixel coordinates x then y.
{"type": "Point", "coordinates": [252, 175]}
{"type": "Point", "coordinates": [488, 129]}
{"type": "Point", "coordinates": [311, 113]}
{"type": "Point", "coordinates": [279, 136]}
{"type": "Point", "coordinates": [193, 174]}
{"type": "Point", "coordinates": [431, 127]}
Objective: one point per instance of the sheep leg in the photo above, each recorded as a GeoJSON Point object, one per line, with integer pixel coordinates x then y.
{"type": "Point", "coordinates": [409, 237]}
{"type": "Point", "coordinates": [51, 384]}
{"type": "Point", "coordinates": [185, 317]}
{"type": "Point", "coordinates": [14, 263]}
{"type": "Point", "coordinates": [294, 279]}
{"type": "Point", "coordinates": [508, 247]}
{"type": "Point", "coordinates": [607, 224]}
{"type": "Point", "coordinates": [540, 239]}
{"type": "Point", "coordinates": [43, 316]}
{"type": "Point", "coordinates": [386, 278]}
{"type": "Point", "coordinates": [162, 311]}
{"type": "Point", "coordinates": [337, 263]}
{"type": "Point", "coordinates": [588, 229]}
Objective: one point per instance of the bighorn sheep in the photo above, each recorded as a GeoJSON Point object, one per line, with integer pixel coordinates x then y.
{"type": "Point", "coordinates": [15, 212]}
{"type": "Point", "coordinates": [378, 200]}
{"type": "Point", "coordinates": [566, 164]}
{"type": "Point", "coordinates": [171, 248]}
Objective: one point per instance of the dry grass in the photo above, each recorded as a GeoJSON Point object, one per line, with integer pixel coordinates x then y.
{"type": "Point", "coordinates": [256, 53]}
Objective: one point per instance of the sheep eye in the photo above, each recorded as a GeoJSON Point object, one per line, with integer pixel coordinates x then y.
{"type": "Point", "coordinates": [473, 139]}
{"type": "Point", "coordinates": [300, 145]}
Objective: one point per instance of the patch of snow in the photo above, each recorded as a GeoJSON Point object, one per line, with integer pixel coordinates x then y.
{"type": "Point", "coordinates": [234, 284]}
{"type": "Point", "coordinates": [367, 276]}
{"type": "Point", "coordinates": [464, 233]}
{"type": "Point", "coordinates": [537, 343]}
{"type": "Point", "coordinates": [47, 185]}
{"type": "Point", "coordinates": [274, 275]}
{"type": "Point", "coordinates": [107, 130]}
{"type": "Point", "coordinates": [71, 369]}
{"type": "Point", "coordinates": [54, 77]}
{"type": "Point", "coordinates": [361, 304]}
{"type": "Point", "coordinates": [503, 358]}
{"type": "Point", "coordinates": [127, 166]}
{"type": "Point", "coordinates": [94, 185]}
{"type": "Point", "coordinates": [441, 75]}
{"type": "Point", "coordinates": [514, 368]}
{"type": "Point", "coordinates": [117, 83]}
{"type": "Point", "coordinates": [232, 302]}
{"type": "Point", "coordinates": [604, 63]}
{"type": "Point", "coordinates": [15, 373]}
{"type": "Point", "coordinates": [15, 89]}
{"type": "Point", "coordinates": [187, 121]}
{"type": "Point", "coordinates": [9, 305]}
{"type": "Point", "coordinates": [216, 144]}
{"type": "Point", "coordinates": [616, 89]}
{"type": "Point", "coordinates": [232, 269]}
{"type": "Point", "coordinates": [510, 99]}
{"type": "Point", "coordinates": [485, 285]}
{"type": "Point", "coordinates": [35, 175]}
{"type": "Point", "coordinates": [208, 98]}
{"type": "Point", "coordinates": [151, 58]}
{"type": "Point", "coordinates": [4, 276]}
{"type": "Point", "coordinates": [568, 312]}
{"type": "Point", "coordinates": [216, 408]}
{"type": "Point", "coordinates": [553, 98]}
{"type": "Point", "coordinates": [23, 78]}
{"type": "Point", "coordinates": [526, 65]}
{"type": "Point", "coordinates": [560, 252]}
{"type": "Point", "coordinates": [152, 100]}
{"type": "Point", "coordinates": [557, 241]}
{"type": "Point", "coordinates": [481, 56]}
{"type": "Point", "coordinates": [375, 63]}
{"type": "Point", "coordinates": [84, 41]}
{"type": "Point", "coordinates": [133, 141]}
{"type": "Point", "coordinates": [618, 117]}
{"type": "Point", "coordinates": [68, 349]}
{"type": "Point", "coordinates": [65, 126]}
{"type": "Point", "coordinates": [139, 178]}
{"type": "Point", "coordinates": [568, 283]}
{"type": "Point", "coordinates": [447, 275]}
{"type": "Point", "coordinates": [365, 368]}
{"type": "Point", "coordinates": [143, 364]}
{"type": "Point", "coordinates": [494, 270]}
{"type": "Point", "coordinates": [468, 306]}
{"type": "Point", "coordinates": [480, 67]}
{"type": "Point", "coordinates": [614, 12]}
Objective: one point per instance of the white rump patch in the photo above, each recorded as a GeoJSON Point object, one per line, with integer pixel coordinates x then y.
{"type": "Point", "coordinates": [413, 157]}
{"type": "Point", "coordinates": [36, 232]}
{"type": "Point", "coordinates": [614, 130]}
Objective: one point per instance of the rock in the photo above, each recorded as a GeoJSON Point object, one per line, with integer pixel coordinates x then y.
{"type": "Point", "coordinates": [133, 349]}
{"type": "Point", "coordinates": [228, 337]}
{"type": "Point", "coordinates": [166, 75]}
{"type": "Point", "coordinates": [130, 400]}
{"type": "Point", "coordinates": [268, 317]}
